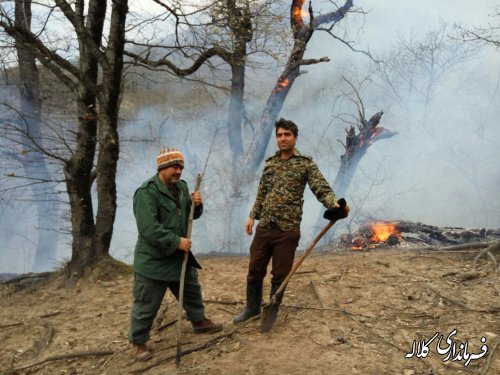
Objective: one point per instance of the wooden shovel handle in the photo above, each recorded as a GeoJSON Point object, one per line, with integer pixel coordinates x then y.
{"type": "Point", "coordinates": [301, 259]}
{"type": "Point", "coordinates": [183, 275]}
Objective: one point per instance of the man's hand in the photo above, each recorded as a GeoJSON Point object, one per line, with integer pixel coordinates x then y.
{"type": "Point", "coordinates": [196, 197]}
{"type": "Point", "coordinates": [185, 244]}
{"type": "Point", "coordinates": [337, 205]}
{"type": "Point", "coordinates": [339, 211]}
{"type": "Point", "coordinates": [249, 226]}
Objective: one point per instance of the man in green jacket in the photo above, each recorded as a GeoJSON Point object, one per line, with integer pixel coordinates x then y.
{"type": "Point", "coordinates": [161, 208]}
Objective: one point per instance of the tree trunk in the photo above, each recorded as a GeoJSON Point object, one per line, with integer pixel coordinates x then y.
{"type": "Point", "coordinates": [78, 170]}
{"type": "Point", "coordinates": [235, 118]}
{"type": "Point", "coordinates": [356, 146]}
{"type": "Point", "coordinates": [82, 220]}
{"type": "Point", "coordinates": [34, 162]}
{"type": "Point", "coordinates": [240, 23]}
{"type": "Point", "coordinates": [109, 104]}
{"type": "Point", "coordinates": [78, 174]}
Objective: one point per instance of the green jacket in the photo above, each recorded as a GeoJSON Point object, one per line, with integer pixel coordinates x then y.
{"type": "Point", "coordinates": [161, 221]}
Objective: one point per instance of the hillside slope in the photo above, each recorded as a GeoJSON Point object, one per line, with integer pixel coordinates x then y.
{"type": "Point", "coordinates": [344, 313]}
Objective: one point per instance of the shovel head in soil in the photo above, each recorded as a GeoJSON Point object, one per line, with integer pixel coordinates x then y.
{"type": "Point", "coordinates": [270, 311]}
{"type": "Point", "coordinates": [269, 315]}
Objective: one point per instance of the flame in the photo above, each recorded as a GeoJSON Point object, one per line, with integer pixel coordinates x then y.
{"type": "Point", "coordinates": [382, 231]}
{"type": "Point", "coordinates": [297, 11]}
{"type": "Point", "coordinates": [358, 244]}
{"type": "Point", "coordinates": [299, 14]}
{"type": "Point", "coordinates": [282, 82]}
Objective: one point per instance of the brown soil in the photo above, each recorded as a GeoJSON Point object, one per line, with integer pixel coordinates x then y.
{"type": "Point", "coordinates": [343, 313]}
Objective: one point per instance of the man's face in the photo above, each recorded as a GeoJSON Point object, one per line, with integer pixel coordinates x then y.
{"type": "Point", "coordinates": [285, 139]}
{"type": "Point", "coordinates": [171, 175]}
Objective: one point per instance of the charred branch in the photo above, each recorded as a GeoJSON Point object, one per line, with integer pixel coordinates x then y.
{"type": "Point", "coordinates": [360, 135]}
{"type": "Point", "coordinates": [356, 144]}
{"type": "Point", "coordinates": [333, 17]}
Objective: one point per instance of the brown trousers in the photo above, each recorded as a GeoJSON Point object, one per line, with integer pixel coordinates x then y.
{"type": "Point", "coordinates": [276, 244]}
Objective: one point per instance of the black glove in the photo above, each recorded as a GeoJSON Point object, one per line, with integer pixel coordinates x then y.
{"type": "Point", "coordinates": [337, 212]}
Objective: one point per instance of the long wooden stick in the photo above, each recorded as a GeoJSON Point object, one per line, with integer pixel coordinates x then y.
{"type": "Point", "coordinates": [183, 276]}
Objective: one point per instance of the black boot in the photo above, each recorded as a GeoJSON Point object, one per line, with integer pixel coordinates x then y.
{"type": "Point", "coordinates": [252, 308]}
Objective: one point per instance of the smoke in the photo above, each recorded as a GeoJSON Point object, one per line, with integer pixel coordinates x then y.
{"type": "Point", "coordinates": [441, 169]}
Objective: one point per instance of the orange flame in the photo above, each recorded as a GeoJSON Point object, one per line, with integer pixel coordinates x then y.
{"type": "Point", "coordinates": [358, 244]}
{"type": "Point", "coordinates": [297, 11]}
{"type": "Point", "coordinates": [382, 231]}
{"type": "Point", "coordinates": [282, 82]}
{"type": "Point", "coordinates": [299, 14]}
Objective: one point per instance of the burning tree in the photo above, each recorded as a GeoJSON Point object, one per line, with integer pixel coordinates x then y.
{"type": "Point", "coordinates": [302, 33]}
{"type": "Point", "coordinates": [237, 26]}
{"type": "Point", "coordinates": [357, 143]}
{"type": "Point", "coordinates": [239, 19]}
{"type": "Point", "coordinates": [360, 135]}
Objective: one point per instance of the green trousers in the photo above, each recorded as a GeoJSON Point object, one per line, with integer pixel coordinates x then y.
{"type": "Point", "coordinates": [148, 295]}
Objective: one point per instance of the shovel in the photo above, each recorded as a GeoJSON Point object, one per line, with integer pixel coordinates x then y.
{"type": "Point", "coordinates": [270, 311]}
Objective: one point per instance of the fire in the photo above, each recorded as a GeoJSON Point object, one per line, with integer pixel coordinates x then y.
{"type": "Point", "coordinates": [358, 244]}
{"type": "Point", "coordinates": [382, 231]}
{"type": "Point", "coordinates": [299, 13]}
{"type": "Point", "coordinates": [377, 233]}
{"type": "Point", "coordinates": [282, 82]}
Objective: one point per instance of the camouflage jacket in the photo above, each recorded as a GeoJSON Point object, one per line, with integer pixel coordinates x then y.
{"type": "Point", "coordinates": [280, 195]}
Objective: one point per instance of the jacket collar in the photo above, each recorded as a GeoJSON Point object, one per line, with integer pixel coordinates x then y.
{"type": "Point", "coordinates": [162, 187]}
{"type": "Point", "coordinates": [295, 153]}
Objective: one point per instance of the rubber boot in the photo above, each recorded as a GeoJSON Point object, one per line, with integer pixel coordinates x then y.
{"type": "Point", "coordinates": [254, 299]}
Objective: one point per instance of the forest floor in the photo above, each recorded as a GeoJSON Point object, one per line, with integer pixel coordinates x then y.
{"type": "Point", "coordinates": [345, 312]}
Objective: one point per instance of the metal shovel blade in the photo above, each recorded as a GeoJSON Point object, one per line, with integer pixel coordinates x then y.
{"type": "Point", "coordinates": [268, 315]}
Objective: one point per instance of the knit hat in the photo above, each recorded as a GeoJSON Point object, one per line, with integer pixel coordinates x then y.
{"type": "Point", "coordinates": [169, 156]}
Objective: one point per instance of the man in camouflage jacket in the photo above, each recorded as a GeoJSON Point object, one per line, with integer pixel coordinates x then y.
{"type": "Point", "coordinates": [278, 207]}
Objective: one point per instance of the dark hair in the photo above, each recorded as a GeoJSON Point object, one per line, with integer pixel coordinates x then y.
{"type": "Point", "coordinates": [286, 124]}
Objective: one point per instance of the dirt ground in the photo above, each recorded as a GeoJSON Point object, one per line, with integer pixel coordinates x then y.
{"type": "Point", "coordinates": [343, 313]}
